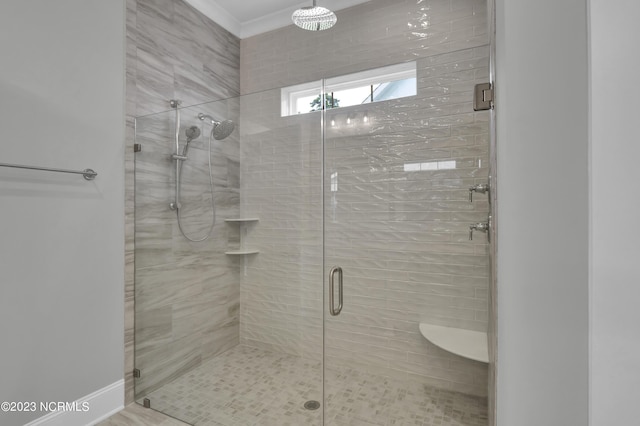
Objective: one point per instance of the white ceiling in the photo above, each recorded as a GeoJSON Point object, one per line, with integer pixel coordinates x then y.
{"type": "Point", "coordinates": [246, 18]}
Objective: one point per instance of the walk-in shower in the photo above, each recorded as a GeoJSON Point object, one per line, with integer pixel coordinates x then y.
{"type": "Point", "coordinates": [370, 194]}
{"type": "Point", "coordinates": [380, 191]}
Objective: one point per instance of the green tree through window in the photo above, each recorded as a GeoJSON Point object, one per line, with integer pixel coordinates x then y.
{"type": "Point", "coordinates": [330, 101]}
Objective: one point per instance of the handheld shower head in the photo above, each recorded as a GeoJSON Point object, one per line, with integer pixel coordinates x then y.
{"type": "Point", "coordinates": [221, 129]}
{"type": "Point", "coordinates": [192, 133]}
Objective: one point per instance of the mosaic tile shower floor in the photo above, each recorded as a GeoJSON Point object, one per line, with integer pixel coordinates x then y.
{"type": "Point", "coordinates": [247, 386]}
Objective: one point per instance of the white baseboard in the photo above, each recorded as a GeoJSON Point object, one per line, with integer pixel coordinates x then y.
{"type": "Point", "coordinates": [100, 405]}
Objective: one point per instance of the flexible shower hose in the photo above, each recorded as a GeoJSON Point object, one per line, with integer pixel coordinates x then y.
{"type": "Point", "coordinates": [179, 181]}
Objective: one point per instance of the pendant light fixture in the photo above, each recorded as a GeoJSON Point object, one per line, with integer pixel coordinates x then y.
{"type": "Point", "coordinates": [314, 18]}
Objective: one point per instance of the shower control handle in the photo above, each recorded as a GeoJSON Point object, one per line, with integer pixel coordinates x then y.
{"type": "Point", "coordinates": [481, 188]}
{"type": "Point", "coordinates": [332, 310]}
{"type": "Point", "coordinates": [480, 226]}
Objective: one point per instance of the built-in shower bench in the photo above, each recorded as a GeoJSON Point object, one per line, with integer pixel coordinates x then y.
{"type": "Point", "coordinates": [466, 343]}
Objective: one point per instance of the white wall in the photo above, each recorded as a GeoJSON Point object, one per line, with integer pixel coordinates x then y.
{"type": "Point", "coordinates": [615, 207]}
{"type": "Point", "coordinates": [61, 237]}
{"type": "Point", "coordinates": [541, 72]}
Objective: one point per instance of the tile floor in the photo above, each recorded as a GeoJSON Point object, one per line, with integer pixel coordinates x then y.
{"type": "Point", "coordinates": [247, 386]}
{"type": "Point", "coordinates": [136, 415]}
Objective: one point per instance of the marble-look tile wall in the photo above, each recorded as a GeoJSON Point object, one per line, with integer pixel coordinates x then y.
{"type": "Point", "coordinates": [186, 294]}
{"type": "Point", "coordinates": [181, 54]}
{"type": "Point", "coordinates": [401, 237]}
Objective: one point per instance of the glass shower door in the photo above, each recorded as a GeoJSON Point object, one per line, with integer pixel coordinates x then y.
{"type": "Point", "coordinates": [397, 252]}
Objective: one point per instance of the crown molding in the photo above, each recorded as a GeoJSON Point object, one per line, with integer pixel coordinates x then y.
{"type": "Point", "coordinates": [218, 14]}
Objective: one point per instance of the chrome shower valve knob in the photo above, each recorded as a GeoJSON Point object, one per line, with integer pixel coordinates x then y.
{"type": "Point", "coordinates": [480, 226]}
{"type": "Point", "coordinates": [481, 188]}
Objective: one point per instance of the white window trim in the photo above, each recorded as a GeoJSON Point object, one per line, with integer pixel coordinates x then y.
{"type": "Point", "coordinates": [290, 95]}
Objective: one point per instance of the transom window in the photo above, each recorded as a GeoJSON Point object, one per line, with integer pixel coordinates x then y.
{"type": "Point", "coordinates": [379, 84]}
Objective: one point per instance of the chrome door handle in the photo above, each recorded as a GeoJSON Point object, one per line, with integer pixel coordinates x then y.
{"type": "Point", "coordinates": [332, 310]}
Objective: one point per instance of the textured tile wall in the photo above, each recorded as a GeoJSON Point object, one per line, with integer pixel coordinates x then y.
{"type": "Point", "coordinates": [377, 33]}
{"type": "Point", "coordinates": [186, 294]}
{"type": "Point", "coordinates": [401, 237]}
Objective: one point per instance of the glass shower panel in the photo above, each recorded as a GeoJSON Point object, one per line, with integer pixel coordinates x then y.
{"type": "Point", "coordinates": [187, 293]}
{"type": "Point", "coordinates": [230, 329]}
{"type": "Point", "coordinates": [396, 216]}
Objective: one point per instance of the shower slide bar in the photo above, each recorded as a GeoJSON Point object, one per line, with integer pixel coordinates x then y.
{"type": "Point", "coordinates": [88, 174]}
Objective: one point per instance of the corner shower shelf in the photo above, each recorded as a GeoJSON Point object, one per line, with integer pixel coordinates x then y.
{"type": "Point", "coordinates": [244, 223]}
{"type": "Point", "coordinates": [466, 343]}
{"type": "Point", "coordinates": [241, 252]}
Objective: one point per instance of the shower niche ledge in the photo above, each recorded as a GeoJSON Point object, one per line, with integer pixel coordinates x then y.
{"type": "Point", "coordinates": [241, 252]}
{"type": "Point", "coordinates": [465, 343]}
{"type": "Point", "coordinates": [244, 223]}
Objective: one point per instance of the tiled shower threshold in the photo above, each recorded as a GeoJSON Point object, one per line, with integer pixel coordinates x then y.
{"type": "Point", "coordinates": [246, 386]}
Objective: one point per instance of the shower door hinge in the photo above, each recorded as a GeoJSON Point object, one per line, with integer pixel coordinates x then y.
{"type": "Point", "coordinates": [483, 97]}
{"type": "Point", "coordinates": [137, 147]}
{"type": "Point", "coordinates": [136, 373]}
